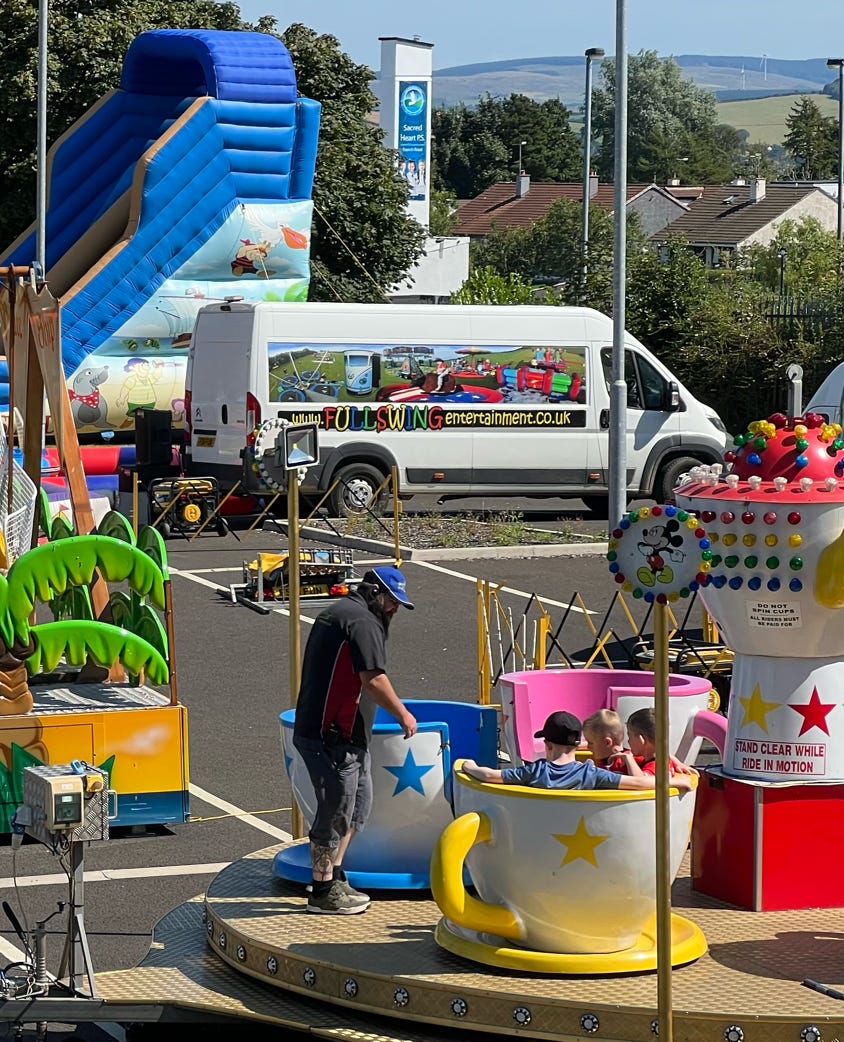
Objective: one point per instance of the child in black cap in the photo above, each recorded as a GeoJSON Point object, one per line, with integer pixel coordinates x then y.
{"type": "Point", "coordinates": [561, 769]}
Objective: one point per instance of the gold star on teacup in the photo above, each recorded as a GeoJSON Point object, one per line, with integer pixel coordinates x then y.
{"type": "Point", "coordinates": [580, 844]}
{"type": "Point", "coordinates": [756, 709]}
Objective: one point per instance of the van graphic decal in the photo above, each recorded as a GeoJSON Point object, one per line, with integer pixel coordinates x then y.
{"type": "Point", "coordinates": [442, 374]}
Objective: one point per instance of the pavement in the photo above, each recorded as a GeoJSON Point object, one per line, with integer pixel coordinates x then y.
{"type": "Point", "coordinates": [233, 677]}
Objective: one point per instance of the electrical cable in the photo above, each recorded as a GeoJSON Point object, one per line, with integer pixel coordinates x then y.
{"type": "Point", "coordinates": [349, 250]}
{"type": "Point", "coordinates": [21, 906]}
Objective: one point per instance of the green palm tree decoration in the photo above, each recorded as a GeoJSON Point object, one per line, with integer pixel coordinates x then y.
{"type": "Point", "coordinates": [59, 572]}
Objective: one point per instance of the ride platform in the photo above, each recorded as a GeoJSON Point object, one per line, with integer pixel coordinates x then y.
{"type": "Point", "coordinates": [251, 951]}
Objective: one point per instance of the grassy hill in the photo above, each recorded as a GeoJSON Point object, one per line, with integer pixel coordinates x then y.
{"type": "Point", "coordinates": [764, 118]}
{"type": "Point", "coordinates": [563, 77]}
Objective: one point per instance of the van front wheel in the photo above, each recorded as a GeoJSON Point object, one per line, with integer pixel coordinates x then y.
{"type": "Point", "coordinates": [355, 491]}
{"type": "Point", "coordinates": [669, 477]}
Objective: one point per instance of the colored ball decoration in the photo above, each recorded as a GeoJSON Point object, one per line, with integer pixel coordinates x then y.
{"type": "Point", "coordinates": [808, 446]}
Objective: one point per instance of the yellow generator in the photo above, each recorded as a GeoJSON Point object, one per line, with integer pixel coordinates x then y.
{"type": "Point", "coordinates": [322, 573]}
{"type": "Point", "coordinates": [184, 504]}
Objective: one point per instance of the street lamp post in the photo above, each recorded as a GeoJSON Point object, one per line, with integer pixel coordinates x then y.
{"type": "Point", "coordinates": [521, 143]}
{"type": "Point", "coordinates": [41, 143]}
{"type": "Point", "coordinates": [591, 54]}
{"type": "Point", "coordinates": [838, 63]}
{"type": "Point", "coordinates": [782, 253]}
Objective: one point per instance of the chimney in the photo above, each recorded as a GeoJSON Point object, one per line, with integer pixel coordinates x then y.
{"type": "Point", "coordinates": [757, 189]}
{"type": "Point", "coordinates": [673, 182]}
{"type": "Point", "coordinates": [593, 185]}
{"type": "Point", "coordinates": [522, 185]}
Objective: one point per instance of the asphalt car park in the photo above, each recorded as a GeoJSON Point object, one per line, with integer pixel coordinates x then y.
{"type": "Point", "coordinates": [232, 669]}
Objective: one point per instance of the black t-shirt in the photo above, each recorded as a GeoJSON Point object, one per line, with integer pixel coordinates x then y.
{"type": "Point", "coordinates": [346, 639]}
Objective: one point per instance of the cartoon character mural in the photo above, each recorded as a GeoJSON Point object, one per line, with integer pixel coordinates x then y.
{"type": "Point", "coordinates": [87, 403]}
{"type": "Point", "coordinates": [659, 542]}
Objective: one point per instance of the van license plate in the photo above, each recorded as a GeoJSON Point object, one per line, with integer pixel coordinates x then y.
{"type": "Point", "coordinates": [205, 441]}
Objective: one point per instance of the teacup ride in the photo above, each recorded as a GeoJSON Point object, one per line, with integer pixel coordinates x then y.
{"type": "Point", "coordinates": [578, 881]}
{"type": "Point", "coordinates": [412, 792]}
{"type": "Point", "coordinates": [566, 879]}
{"type": "Point", "coordinates": [530, 696]}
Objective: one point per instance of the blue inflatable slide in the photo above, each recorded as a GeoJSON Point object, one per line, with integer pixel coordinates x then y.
{"type": "Point", "coordinates": [190, 183]}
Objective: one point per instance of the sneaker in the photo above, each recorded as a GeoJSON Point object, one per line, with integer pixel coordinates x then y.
{"type": "Point", "coordinates": [350, 890]}
{"type": "Point", "coordinates": [339, 899]}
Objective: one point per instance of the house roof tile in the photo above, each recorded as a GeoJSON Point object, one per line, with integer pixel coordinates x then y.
{"type": "Point", "coordinates": [725, 216]}
{"type": "Point", "coordinates": [499, 205]}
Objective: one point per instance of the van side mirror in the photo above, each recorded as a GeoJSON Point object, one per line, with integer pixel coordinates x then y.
{"type": "Point", "coordinates": [671, 397]}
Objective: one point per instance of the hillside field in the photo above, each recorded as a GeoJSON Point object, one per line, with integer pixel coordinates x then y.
{"type": "Point", "coordinates": [764, 118]}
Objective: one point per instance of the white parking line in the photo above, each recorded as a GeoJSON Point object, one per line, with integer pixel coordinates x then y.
{"type": "Point", "coordinates": [250, 819]}
{"type": "Point", "coordinates": [504, 589]}
{"type": "Point", "coordinates": [225, 589]}
{"type": "Point", "coordinates": [106, 875]}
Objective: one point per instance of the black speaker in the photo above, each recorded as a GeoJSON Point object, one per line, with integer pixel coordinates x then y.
{"type": "Point", "coordinates": [153, 437]}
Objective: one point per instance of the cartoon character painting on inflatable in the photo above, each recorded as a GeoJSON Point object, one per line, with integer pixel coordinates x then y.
{"type": "Point", "coordinates": [189, 183]}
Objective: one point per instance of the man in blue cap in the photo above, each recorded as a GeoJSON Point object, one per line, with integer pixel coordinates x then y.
{"type": "Point", "coordinates": [345, 657]}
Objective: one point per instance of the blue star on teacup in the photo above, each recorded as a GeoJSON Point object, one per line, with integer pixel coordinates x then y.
{"type": "Point", "coordinates": [409, 774]}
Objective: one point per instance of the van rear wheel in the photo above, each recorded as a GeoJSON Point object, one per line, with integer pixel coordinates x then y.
{"type": "Point", "coordinates": [669, 477]}
{"type": "Point", "coordinates": [355, 491]}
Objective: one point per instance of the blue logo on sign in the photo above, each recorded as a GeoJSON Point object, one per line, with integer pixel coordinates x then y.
{"type": "Point", "coordinates": [412, 100]}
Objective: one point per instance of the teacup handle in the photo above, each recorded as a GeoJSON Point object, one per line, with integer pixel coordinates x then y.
{"type": "Point", "coordinates": [454, 901]}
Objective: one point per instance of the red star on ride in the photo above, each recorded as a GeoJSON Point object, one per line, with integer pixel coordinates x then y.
{"type": "Point", "coordinates": [814, 713]}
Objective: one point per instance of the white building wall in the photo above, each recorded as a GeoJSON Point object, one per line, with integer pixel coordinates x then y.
{"type": "Point", "coordinates": [440, 271]}
{"type": "Point", "coordinates": [819, 205]}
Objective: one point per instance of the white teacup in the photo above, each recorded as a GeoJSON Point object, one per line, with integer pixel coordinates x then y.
{"type": "Point", "coordinates": [566, 871]}
{"type": "Point", "coordinates": [411, 799]}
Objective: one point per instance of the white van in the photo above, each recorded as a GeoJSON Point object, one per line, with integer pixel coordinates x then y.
{"type": "Point", "coordinates": [462, 400]}
{"type": "Point", "coordinates": [828, 397]}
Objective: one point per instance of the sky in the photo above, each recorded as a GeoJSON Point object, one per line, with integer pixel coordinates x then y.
{"type": "Point", "coordinates": [493, 30]}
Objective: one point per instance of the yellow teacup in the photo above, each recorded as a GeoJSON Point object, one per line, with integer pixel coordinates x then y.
{"type": "Point", "coordinates": [566, 871]}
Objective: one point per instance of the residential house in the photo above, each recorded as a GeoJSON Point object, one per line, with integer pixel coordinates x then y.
{"type": "Point", "coordinates": [727, 218]}
{"type": "Point", "coordinates": [521, 205]}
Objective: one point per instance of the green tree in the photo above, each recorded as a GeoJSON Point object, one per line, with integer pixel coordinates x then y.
{"type": "Point", "coordinates": [363, 239]}
{"type": "Point", "coordinates": [550, 252]}
{"type": "Point", "coordinates": [474, 148]}
{"type": "Point", "coordinates": [487, 286]}
{"type": "Point", "coordinates": [812, 139]}
{"type": "Point", "coordinates": [811, 264]}
{"type": "Point", "coordinates": [442, 219]}
{"type": "Point", "coordinates": [466, 158]}
{"type": "Point", "coordinates": [672, 124]}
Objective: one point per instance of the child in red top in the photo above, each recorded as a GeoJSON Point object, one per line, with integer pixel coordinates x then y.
{"type": "Point", "coordinates": [603, 735]}
{"type": "Point", "coordinates": [641, 759]}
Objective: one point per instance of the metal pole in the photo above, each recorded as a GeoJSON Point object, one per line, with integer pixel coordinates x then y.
{"type": "Point", "coordinates": [663, 828]}
{"type": "Point", "coordinates": [295, 633]}
{"type": "Point", "coordinates": [618, 395]}
{"type": "Point", "coordinates": [593, 52]}
{"type": "Point", "coordinates": [838, 63]}
{"type": "Point", "coordinates": [41, 144]}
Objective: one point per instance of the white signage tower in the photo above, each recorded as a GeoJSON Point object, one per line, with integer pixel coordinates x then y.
{"type": "Point", "coordinates": [405, 94]}
{"type": "Point", "coordinates": [406, 100]}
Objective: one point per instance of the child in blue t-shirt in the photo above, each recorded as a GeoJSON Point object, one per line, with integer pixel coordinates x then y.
{"type": "Point", "coordinates": [561, 769]}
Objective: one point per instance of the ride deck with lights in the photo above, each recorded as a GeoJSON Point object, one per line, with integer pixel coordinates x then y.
{"type": "Point", "coordinates": [252, 952]}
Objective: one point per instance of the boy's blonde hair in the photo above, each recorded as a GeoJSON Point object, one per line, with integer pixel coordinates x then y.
{"type": "Point", "coordinates": [603, 723]}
